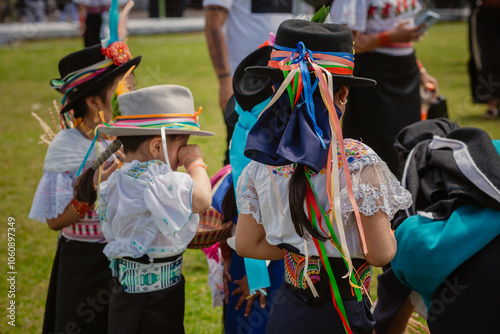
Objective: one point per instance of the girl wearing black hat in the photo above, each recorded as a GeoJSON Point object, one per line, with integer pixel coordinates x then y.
{"type": "Point", "coordinates": [317, 200]}
{"type": "Point", "coordinates": [80, 282]}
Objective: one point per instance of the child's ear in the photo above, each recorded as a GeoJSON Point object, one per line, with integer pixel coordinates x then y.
{"type": "Point", "coordinates": [155, 147]}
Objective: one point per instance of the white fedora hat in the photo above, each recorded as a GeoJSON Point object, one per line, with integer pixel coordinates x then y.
{"type": "Point", "coordinates": [146, 111]}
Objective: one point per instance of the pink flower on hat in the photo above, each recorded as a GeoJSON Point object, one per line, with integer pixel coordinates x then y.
{"type": "Point", "coordinates": [118, 51]}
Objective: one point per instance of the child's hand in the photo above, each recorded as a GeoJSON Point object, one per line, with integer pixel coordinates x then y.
{"type": "Point", "coordinates": [189, 154]}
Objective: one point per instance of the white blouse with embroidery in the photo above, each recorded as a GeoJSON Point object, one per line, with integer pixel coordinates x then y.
{"type": "Point", "coordinates": [55, 189]}
{"type": "Point", "coordinates": [376, 16]}
{"type": "Point", "coordinates": [145, 208]}
{"type": "Point", "coordinates": [375, 189]}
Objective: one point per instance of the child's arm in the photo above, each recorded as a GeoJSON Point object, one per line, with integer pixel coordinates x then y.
{"type": "Point", "coordinates": [66, 218]}
{"type": "Point", "coordinates": [380, 240]}
{"type": "Point", "coordinates": [251, 240]}
{"type": "Point", "coordinates": [190, 156]}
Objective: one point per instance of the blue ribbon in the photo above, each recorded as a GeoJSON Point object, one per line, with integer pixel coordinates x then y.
{"type": "Point", "coordinates": [308, 87]}
{"type": "Point", "coordinates": [245, 122]}
{"type": "Point", "coordinates": [86, 156]}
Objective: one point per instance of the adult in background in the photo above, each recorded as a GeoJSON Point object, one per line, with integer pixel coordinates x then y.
{"type": "Point", "coordinates": [384, 33]}
{"type": "Point", "coordinates": [34, 11]}
{"type": "Point", "coordinates": [484, 65]}
{"type": "Point", "coordinates": [235, 28]}
{"type": "Point", "coordinates": [92, 19]}
{"type": "Point", "coordinates": [173, 8]}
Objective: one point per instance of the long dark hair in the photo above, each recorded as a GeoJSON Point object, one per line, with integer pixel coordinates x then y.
{"type": "Point", "coordinates": [297, 189]}
{"type": "Point", "coordinates": [84, 190]}
{"type": "Point", "coordinates": [229, 209]}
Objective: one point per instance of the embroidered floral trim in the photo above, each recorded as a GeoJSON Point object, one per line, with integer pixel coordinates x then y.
{"type": "Point", "coordinates": [389, 9]}
{"type": "Point", "coordinates": [354, 151]}
{"type": "Point", "coordinates": [142, 167]}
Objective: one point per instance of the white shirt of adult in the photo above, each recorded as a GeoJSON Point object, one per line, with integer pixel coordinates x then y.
{"type": "Point", "coordinates": [245, 28]}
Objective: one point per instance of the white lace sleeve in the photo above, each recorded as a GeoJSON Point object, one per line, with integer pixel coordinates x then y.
{"type": "Point", "coordinates": [52, 196]}
{"type": "Point", "coordinates": [247, 198]}
{"type": "Point", "coordinates": [375, 188]}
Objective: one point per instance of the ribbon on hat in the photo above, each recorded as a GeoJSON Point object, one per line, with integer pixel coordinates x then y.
{"type": "Point", "coordinates": [168, 121]}
{"type": "Point", "coordinates": [76, 78]}
{"type": "Point", "coordinates": [246, 120]}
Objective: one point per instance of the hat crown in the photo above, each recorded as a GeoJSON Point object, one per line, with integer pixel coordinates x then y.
{"type": "Point", "coordinates": [157, 100]}
{"type": "Point", "coordinates": [250, 90]}
{"type": "Point", "coordinates": [80, 60]}
{"type": "Point", "coordinates": [322, 37]}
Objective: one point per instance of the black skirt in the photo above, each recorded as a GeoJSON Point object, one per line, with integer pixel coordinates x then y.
{"type": "Point", "coordinates": [292, 312]}
{"type": "Point", "coordinates": [79, 289]}
{"type": "Point", "coordinates": [484, 64]}
{"type": "Point", "coordinates": [375, 115]}
{"type": "Point", "coordinates": [154, 312]}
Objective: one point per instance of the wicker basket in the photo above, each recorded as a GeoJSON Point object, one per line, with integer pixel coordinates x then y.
{"type": "Point", "coordinates": [210, 229]}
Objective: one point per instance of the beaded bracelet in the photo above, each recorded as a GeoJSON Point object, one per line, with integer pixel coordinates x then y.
{"type": "Point", "coordinates": [202, 164]}
{"type": "Point", "coordinates": [81, 208]}
{"type": "Point", "coordinates": [383, 38]}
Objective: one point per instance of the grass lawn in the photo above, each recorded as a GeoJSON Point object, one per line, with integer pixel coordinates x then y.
{"type": "Point", "coordinates": [181, 59]}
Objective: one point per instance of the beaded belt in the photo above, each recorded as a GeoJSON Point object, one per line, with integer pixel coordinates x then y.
{"type": "Point", "coordinates": [295, 273]}
{"type": "Point", "coordinates": [136, 277]}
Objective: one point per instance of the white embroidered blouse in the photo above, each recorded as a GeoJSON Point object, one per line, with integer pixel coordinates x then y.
{"type": "Point", "coordinates": [55, 189]}
{"type": "Point", "coordinates": [376, 16]}
{"type": "Point", "coordinates": [375, 188]}
{"type": "Point", "coordinates": [145, 208]}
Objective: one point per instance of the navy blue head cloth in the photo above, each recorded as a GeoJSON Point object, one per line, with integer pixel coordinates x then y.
{"type": "Point", "coordinates": [280, 136]}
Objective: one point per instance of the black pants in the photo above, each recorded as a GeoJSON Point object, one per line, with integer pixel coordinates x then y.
{"type": "Point", "coordinates": [151, 312]}
{"type": "Point", "coordinates": [92, 34]}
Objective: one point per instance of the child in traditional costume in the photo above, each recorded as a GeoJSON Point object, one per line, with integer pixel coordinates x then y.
{"type": "Point", "coordinates": [320, 202]}
{"type": "Point", "coordinates": [80, 279]}
{"type": "Point", "coordinates": [149, 210]}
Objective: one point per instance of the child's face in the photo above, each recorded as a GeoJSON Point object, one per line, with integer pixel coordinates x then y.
{"type": "Point", "coordinates": [173, 145]}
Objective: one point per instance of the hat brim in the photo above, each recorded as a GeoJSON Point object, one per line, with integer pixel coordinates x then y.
{"type": "Point", "coordinates": [138, 131]}
{"type": "Point", "coordinates": [100, 81]}
{"type": "Point", "coordinates": [339, 80]}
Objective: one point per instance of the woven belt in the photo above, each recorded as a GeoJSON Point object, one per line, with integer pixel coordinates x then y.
{"type": "Point", "coordinates": [89, 231]}
{"type": "Point", "coordinates": [295, 273]}
{"type": "Point", "coordinates": [138, 277]}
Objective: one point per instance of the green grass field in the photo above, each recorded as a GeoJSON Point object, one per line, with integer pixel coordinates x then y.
{"type": "Point", "coordinates": [182, 59]}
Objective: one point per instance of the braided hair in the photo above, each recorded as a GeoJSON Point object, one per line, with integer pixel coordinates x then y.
{"type": "Point", "coordinates": [84, 190]}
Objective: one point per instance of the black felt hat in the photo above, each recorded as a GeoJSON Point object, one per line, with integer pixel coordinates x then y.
{"type": "Point", "coordinates": [79, 61]}
{"type": "Point", "coordinates": [317, 37]}
{"type": "Point", "coordinates": [250, 90]}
